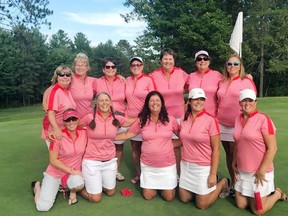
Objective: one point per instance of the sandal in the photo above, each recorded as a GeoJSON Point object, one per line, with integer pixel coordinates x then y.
{"type": "Point", "coordinates": [33, 185]}
{"type": "Point", "coordinates": [283, 195]}
{"type": "Point", "coordinates": [120, 177]}
{"type": "Point", "coordinates": [135, 179]}
{"type": "Point", "coordinates": [72, 201]}
{"type": "Point", "coordinates": [226, 191]}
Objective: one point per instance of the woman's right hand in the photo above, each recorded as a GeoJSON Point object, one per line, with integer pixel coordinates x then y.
{"type": "Point", "coordinates": [235, 170]}
{"type": "Point", "coordinates": [57, 133]}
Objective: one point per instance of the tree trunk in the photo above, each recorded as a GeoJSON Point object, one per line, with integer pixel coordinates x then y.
{"type": "Point", "coordinates": [261, 72]}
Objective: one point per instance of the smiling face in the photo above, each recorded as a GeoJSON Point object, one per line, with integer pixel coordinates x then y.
{"type": "Point", "coordinates": [197, 105]}
{"type": "Point", "coordinates": [155, 104]}
{"type": "Point", "coordinates": [64, 79]}
{"type": "Point", "coordinates": [233, 66]}
{"type": "Point", "coordinates": [71, 124]}
{"type": "Point", "coordinates": [136, 68]}
{"type": "Point", "coordinates": [109, 69]}
{"type": "Point", "coordinates": [202, 63]}
{"type": "Point", "coordinates": [81, 68]}
{"type": "Point", "coordinates": [104, 103]}
{"type": "Point", "coordinates": [167, 62]}
{"type": "Point", "coordinates": [248, 106]}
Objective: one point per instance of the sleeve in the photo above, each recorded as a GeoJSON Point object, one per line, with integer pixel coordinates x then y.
{"type": "Point", "coordinates": [53, 100]}
{"type": "Point", "coordinates": [121, 119]}
{"type": "Point", "coordinates": [267, 127]}
{"type": "Point", "coordinates": [214, 127]}
{"type": "Point", "coordinates": [175, 125]}
{"type": "Point", "coordinates": [135, 127]}
{"type": "Point", "coordinates": [55, 145]}
{"type": "Point", "coordinates": [151, 85]}
{"type": "Point", "coordinates": [85, 120]}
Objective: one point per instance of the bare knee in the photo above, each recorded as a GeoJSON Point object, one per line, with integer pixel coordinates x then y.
{"type": "Point", "coordinates": [109, 192]}
{"type": "Point", "coordinates": [95, 198]}
{"type": "Point", "coordinates": [258, 212]}
{"type": "Point", "coordinates": [168, 196]}
{"type": "Point", "coordinates": [202, 205]}
{"type": "Point", "coordinates": [148, 195]}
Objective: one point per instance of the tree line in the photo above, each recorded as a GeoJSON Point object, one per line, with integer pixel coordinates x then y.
{"type": "Point", "coordinates": [28, 57]}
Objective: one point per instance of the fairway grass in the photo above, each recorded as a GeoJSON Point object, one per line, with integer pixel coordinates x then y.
{"type": "Point", "coordinates": [24, 157]}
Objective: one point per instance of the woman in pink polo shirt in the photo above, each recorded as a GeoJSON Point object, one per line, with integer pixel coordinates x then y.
{"type": "Point", "coordinates": [200, 135]}
{"type": "Point", "coordinates": [158, 164]}
{"type": "Point", "coordinates": [171, 82]}
{"type": "Point", "coordinates": [233, 82]}
{"type": "Point", "coordinates": [115, 87]}
{"type": "Point", "coordinates": [256, 146]}
{"type": "Point", "coordinates": [207, 79]}
{"type": "Point", "coordinates": [100, 161]}
{"type": "Point", "coordinates": [137, 87]}
{"type": "Point", "coordinates": [82, 85]}
{"type": "Point", "coordinates": [65, 164]}
{"type": "Point", "coordinates": [59, 99]}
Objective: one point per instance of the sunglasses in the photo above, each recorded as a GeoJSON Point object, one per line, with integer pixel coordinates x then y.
{"type": "Point", "coordinates": [233, 63]}
{"type": "Point", "coordinates": [108, 67]}
{"type": "Point", "coordinates": [198, 59]}
{"type": "Point", "coordinates": [64, 74]}
{"type": "Point", "coordinates": [136, 65]}
{"type": "Point", "coordinates": [73, 118]}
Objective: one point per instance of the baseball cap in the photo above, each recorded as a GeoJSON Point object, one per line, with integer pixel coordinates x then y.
{"type": "Point", "coordinates": [196, 93]}
{"type": "Point", "coordinates": [201, 52]}
{"type": "Point", "coordinates": [70, 113]}
{"type": "Point", "coordinates": [136, 58]}
{"type": "Point", "coordinates": [247, 93]}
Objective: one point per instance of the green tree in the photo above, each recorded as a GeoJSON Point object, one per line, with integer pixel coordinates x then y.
{"type": "Point", "coordinates": [24, 12]}
{"type": "Point", "coordinates": [81, 44]}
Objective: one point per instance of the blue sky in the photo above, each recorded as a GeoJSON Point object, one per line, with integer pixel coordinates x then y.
{"type": "Point", "coordinates": [99, 20]}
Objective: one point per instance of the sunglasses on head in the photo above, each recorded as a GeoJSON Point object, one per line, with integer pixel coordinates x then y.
{"type": "Point", "coordinates": [64, 74]}
{"type": "Point", "coordinates": [136, 65]}
{"type": "Point", "coordinates": [73, 118]}
{"type": "Point", "coordinates": [198, 59]}
{"type": "Point", "coordinates": [108, 67]}
{"type": "Point", "coordinates": [233, 63]}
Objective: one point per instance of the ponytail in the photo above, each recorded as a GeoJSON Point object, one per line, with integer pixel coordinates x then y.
{"type": "Point", "coordinates": [92, 124]}
{"type": "Point", "coordinates": [115, 121]}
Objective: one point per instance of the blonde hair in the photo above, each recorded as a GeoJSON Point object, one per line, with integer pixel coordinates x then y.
{"type": "Point", "coordinates": [82, 57]}
{"type": "Point", "coordinates": [242, 72]}
{"type": "Point", "coordinates": [60, 69]}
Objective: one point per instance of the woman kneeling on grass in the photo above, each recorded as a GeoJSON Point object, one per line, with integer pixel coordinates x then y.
{"type": "Point", "coordinates": [200, 135]}
{"type": "Point", "coordinates": [158, 163]}
{"type": "Point", "coordinates": [65, 164]}
{"type": "Point", "coordinates": [254, 152]}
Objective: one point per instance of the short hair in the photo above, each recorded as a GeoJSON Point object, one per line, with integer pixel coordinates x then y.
{"type": "Point", "coordinates": [167, 51]}
{"type": "Point", "coordinates": [60, 69]}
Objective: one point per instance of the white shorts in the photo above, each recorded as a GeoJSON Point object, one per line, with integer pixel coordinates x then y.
{"type": "Point", "coordinates": [98, 175]}
{"type": "Point", "coordinates": [122, 129]}
{"type": "Point", "coordinates": [226, 133]}
{"type": "Point", "coordinates": [164, 178]}
{"type": "Point", "coordinates": [49, 189]}
{"type": "Point", "coordinates": [174, 135]}
{"type": "Point", "coordinates": [245, 184]}
{"type": "Point", "coordinates": [194, 178]}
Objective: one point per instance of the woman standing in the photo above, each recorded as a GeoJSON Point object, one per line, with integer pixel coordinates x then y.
{"type": "Point", "coordinates": [233, 82]}
{"type": "Point", "coordinates": [201, 153]}
{"type": "Point", "coordinates": [111, 84]}
{"type": "Point", "coordinates": [158, 164]}
{"type": "Point", "coordinates": [256, 146]}
{"type": "Point", "coordinates": [207, 79]}
{"type": "Point", "coordinates": [137, 87]}
{"type": "Point", "coordinates": [171, 82]}
{"type": "Point", "coordinates": [100, 161]}
{"type": "Point", "coordinates": [65, 164]}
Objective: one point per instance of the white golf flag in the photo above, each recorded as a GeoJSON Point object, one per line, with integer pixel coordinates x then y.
{"type": "Point", "coordinates": [237, 35]}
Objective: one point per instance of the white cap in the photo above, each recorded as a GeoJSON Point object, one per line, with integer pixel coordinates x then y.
{"type": "Point", "coordinates": [136, 58]}
{"type": "Point", "coordinates": [247, 93]}
{"type": "Point", "coordinates": [196, 93]}
{"type": "Point", "coordinates": [201, 52]}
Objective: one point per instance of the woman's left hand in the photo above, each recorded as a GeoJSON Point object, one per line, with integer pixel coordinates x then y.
{"type": "Point", "coordinates": [212, 180]}
{"type": "Point", "coordinates": [259, 177]}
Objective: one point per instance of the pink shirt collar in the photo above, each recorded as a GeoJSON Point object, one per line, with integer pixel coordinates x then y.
{"type": "Point", "coordinates": [170, 72]}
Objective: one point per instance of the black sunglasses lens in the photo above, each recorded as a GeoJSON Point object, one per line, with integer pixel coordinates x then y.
{"type": "Point", "coordinates": [108, 67]}
{"type": "Point", "coordinates": [71, 119]}
{"type": "Point", "coordinates": [64, 74]}
{"type": "Point", "coordinates": [200, 59]}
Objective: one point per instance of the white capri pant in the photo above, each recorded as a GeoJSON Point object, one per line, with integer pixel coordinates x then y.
{"type": "Point", "coordinates": [194, 178]}
{"type": "Point", "coordinates": [226, 133]}
{"type": "Point", "coordinates": [98, 175]}
{"type": "Point", "coordinates": [50, 187]}
{"type": "Point", "coordinates": [245, 184]}
{"type": "Point", "coordinates": [162, 178]}
{"type": "Point", "coordinates": [122, 129]}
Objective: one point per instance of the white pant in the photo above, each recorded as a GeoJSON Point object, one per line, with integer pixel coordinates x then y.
{"type": "Point", "coordinates": [50, 187]}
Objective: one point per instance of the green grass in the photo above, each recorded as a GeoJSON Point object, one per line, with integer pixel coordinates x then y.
{"type": "Point", "coordinates": [24, 157]}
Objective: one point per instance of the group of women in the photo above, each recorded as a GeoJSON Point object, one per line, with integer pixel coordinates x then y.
{"type": "Point", "coordinates": [149, 110]}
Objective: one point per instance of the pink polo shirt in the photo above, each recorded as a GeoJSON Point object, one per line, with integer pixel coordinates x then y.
{"type": "Point", "coordinates": [209, 82]}
{"type": "Point", "coordinates": [101, 145]}
{"type": "Point", "coordinates": [136, 91]}
{"type": "Point", "coordinates": [195, 136]}
{"type": "Point", "coordinates": [228, 99]}
{"type": "Point", "coordinates": [172, 89]}
{"type": "Point", "coordinates": [70, 152]}
{"type": "Point", "coordinates": [157, 149]}
{"type": "Point", "coordinates": [60, 99]}
{"type": "Point", "coordinates": [82, 93]}
{"type": "Point", "coordinates": [250, 142]}
{"type": "Point", "coordinates": [116, 90]}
